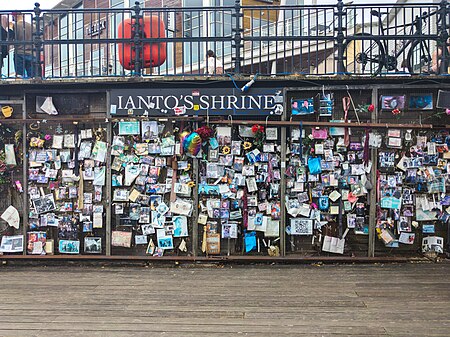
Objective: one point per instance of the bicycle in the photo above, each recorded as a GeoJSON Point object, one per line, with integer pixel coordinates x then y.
{"type": "Point", "coordinates": [366, 54]}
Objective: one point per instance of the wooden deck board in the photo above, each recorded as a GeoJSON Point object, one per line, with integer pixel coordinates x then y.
{"type": "Point", "coordinates": [333, 300]}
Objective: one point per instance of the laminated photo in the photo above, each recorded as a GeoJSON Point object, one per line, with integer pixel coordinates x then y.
{"type": "Point", "coordinates": [44, 204]}
{"type": "Point", "coordinates": [147, 229]}
{"type": "Point", "coordinates": [223, 135]}
{"type": "Point", "coordinates": [180, 226]}
{"type": "Point", "coordinates": [140, 239]}
{"type": "Point", "coordinates": [303, 106]}
{"type": "Point", "coordinates": [69, 246]}
{"type": "Point", "coordinates": [92, 245]}
{"type": "Point", "coordinates": [149, 130]}
{"type": "Point", "coordinates": [11, 244]}
{"type": "Point", "coordinates": [129, 128]}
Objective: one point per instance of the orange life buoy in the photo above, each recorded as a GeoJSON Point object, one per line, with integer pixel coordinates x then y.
{"type": "Point", "coordinates": [154, 54]}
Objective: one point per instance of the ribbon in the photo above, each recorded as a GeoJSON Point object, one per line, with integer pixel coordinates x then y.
{"type": "Point", "coordinates": [301, 142]}
{"type": "Point", "coordinates": [366, 154]}
{"type": "Point", "coordinates": [346, 106]}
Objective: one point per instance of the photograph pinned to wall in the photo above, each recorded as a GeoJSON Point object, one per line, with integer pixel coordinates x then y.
{"type": "Point", "coordinates": [44, 204]}
{"type": "Point", "coordinates": [11, 244]}
{"type": "Point", "coordinates": [121, 239]}
{"type": "Point", "coordinates": [140, 239]}
{"type": "Point", "coordinates": [392, 102]}
{"type": "Point", "coordinates": [69, 246]}
{"type": "Point", "coordinates": [148, 229]}
{"type": "Point", "coordinates": [229, 230]}
{"type": "Point", "coordinates": [420, 102]}
{"type": "Point", "coordinates": [180, 226]}
{"type": "Point", "coordinates": [301, 226]}
{"type": "Point", "coordinates": [326, 104]}
{"type": "Point", "coordinates": [92, 245]}
{"type": "Point", "coordinates": [407, 238]}
{"type": "Point", "coordinates": [164, 241]}
{"type": "Point", "coordinates": [303, 106]}
{"type": "Point", "coordinates": [129, 128]}
{"type": "Point", "coordinates": [223, 135]}
{"type": "Point", "coordinates": [149, 130]}
{"type": "Point", "coordinates": [361, 227]}
{"type": "Point", "coordinates": [36, 243]}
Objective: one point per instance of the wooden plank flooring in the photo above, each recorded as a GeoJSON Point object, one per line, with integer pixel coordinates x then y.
{"type": "Point", "coordinates": [328, 300]}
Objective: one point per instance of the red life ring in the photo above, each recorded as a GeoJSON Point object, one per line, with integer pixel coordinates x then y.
{"type": "Point", "coordinates": [154, 54]}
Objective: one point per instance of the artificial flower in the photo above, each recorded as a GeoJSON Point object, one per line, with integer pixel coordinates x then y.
{"type": "Point", "coordinates": [396, 111]}
{"type": "Point", "coordinates": [48, 137]}
{"type": "Point", "coordinates": [247, 145]}
{"type": "Point", "coordinates": [226, 150]}
{"type": "Point", "coordinates": [371, 108]}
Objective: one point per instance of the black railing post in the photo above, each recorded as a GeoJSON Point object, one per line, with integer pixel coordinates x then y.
{"type": "Point", "coordinates": [37, 41]}
{"type": "Point", "coordinates": [136, 34]}
{"type": "Point", "coordinates": [443, 37]}
{"type": "Point", "coordinates": [237, 39]}
{"type": "Point", "coordinates": [340, 15]}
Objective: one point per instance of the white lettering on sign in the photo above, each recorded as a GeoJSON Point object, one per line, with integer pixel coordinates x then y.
{"type": "Point", "coordinates": [214, 102]}
{"type": "Point", "coordinates": [96, 28]}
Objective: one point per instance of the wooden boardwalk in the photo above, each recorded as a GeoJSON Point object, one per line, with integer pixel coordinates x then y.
{"type": "Point", "coordinates": [327, 300]}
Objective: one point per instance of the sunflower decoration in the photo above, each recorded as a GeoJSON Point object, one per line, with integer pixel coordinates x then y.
{"type": "Point", "coordinates": [247, 145]}
{"type": "Point", "coordinates": [191, 184]}
{"type": "Point", "coordinates": [259, 135]}
{"type": "Point", "coordinates": [226, 150]}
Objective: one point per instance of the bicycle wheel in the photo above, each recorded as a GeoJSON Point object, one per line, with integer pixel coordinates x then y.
{"type": "Point", "coordinates": [363, 56]}
{"type": "Point", "coordinates": [420, 56]}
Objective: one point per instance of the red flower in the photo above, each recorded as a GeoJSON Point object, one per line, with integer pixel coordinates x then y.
{"type": "Point", "coordinates": [255, 128]}
{"type": "Point", "coordinates": [396, 111]}
{"type": "Point", "coordinates": [371, 108]}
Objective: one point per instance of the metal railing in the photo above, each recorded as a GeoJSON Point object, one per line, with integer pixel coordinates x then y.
{"type": "Point", "coordinates": [335, 39]}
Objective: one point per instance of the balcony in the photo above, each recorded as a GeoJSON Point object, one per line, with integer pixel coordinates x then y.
{"type": "Point", "coordinates": [372, 40]}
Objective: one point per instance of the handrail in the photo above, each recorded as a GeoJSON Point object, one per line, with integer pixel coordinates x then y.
{"type": "Point", "coordinates": [267, 39]}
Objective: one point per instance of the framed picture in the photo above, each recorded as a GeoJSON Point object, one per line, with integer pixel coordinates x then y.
{"type": "Point", "coordinates": [421, 102]}
{"type": "Point", "coordinates": [92, 245]}
{"type": "Point", "coordinates": [303, 106]}
{"type": "Point", "coordinates": [301, 226]}
{"type": "Point", "coordinates": [392, 102]}
{"type": "Point", "coordinates": [69, 246]}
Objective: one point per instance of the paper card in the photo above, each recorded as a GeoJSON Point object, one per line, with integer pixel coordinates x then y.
{"type": "Point", "coordinates": [273, 228]}
{"type": "Point", "coordinates": [271, 133]}
{"type": "Point", "coordinates": [69, 141]}
{"type": "Point", "coordinates": [10, 157]}
{"type": "Point", "coordinates": [335, 195]}
{"type": "Point", "coordinates": [57, 141]}
{"type": "Point", "coordinates": [202, 219]}
{"type": "Point", "coordinates": [97, 220]}
{"type": "Point", "coordinates": [121, 239]}
{"type": "Point", "coordinates": [301, 226]}
{"type": "Point", "coordinates": [181, 207]}
{"type": "Point", "coordinates": [99, 151]}
{"type": "Point", "coordinates": [134, 195]}
{"type": "Point", "coordinates": [407, 238]}
{"type": "Point", "coordinates": [334, 210]}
